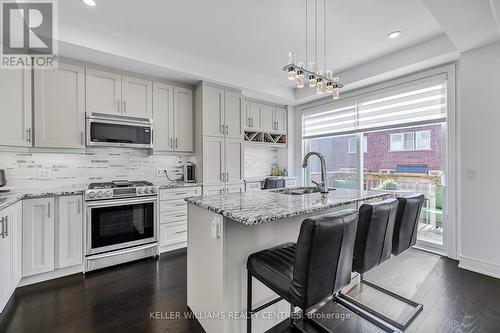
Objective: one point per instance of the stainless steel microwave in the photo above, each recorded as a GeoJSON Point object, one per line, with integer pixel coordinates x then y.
{"type": "Point", "coordinates": [117, 132]}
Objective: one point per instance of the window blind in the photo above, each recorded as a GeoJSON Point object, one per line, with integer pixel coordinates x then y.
{"type": "Point", "coordinates": [414, 103]}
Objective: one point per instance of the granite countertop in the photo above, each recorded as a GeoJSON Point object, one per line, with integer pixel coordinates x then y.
{"type": "Point", "coordinates": [257, 207]}
{"type": "Point", "coordinates": [11, 197]}
{"type": "Point", "coordinates": [162, 186]}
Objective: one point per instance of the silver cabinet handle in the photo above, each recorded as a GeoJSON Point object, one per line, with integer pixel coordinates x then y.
{"type": "Point", "coordinates": [181, 215]}
{"type": "Point", "coordinates": [171, 143]}
{"type": "Point", "coordinates": [48, 209]}
{"type": "Point", "coordinates": [227, 176]}
{"type": "Point", "coordinates": [3, 227]}
{"type": "Point", "coordinates": [6, 226]}
{"type": "Point", "coordinates": [118, 103]}
{"type": "Point", "coordinates": [124, 106]}
{"type": "Point", "coordinates": [251, 121]}
{"type": "Point", "coordinates": [222, 129]}
{"type": "Point", "coordinates": [227, 129]}
{"type": "Point", "coordinates": [28, 135]}
{"type": "Point", "coordinates": [176, 143]}
{"type": "Point", "coordinates": [181, 232]}
{"type": "Point", "coordinates": [222, 176]}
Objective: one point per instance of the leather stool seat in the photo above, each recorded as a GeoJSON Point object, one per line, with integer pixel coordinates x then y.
{"type": "Point", "coordinates": [274, 267]}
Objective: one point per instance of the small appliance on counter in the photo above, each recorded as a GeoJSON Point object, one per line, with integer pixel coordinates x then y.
{"type": "Point", "coordinates": [274, 182]}
{"type": "Point", "coordinates": [3, 179]}
{"type": "Point", "coordinates": [190, 172]}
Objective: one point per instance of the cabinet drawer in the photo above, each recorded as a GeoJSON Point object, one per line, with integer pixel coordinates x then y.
{"type": "Point", "coordinates": [167, 207]}
{"type": "Point", "coordinates": [255, 186]}
{"type": "Point", "coordinates": [180, 193]}
{"type": "Point", "coordinates": [172, 234]}
{"type": "Point", "coordinates": [174, 217]}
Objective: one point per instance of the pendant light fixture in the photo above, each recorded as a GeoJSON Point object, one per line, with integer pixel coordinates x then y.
{"type": "Point", "coordinates": [323, 80]}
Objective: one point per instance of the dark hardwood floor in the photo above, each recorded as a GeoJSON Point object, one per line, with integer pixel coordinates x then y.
{"type": "Point", "coordinates": [121, 299]}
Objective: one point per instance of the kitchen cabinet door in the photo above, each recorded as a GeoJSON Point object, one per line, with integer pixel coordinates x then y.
{"type": "Point", "coordinates": [267, 118]}
{"type": "Point", "coordinates": [59, 107]}
{"type": "Point", "coordinates": [233, 114]}
{"type": "Point", "coordinates": [247, 115]}
{"type": "Point", "coordinates": [213, 111]}
{"type": "Point", "coordinates": [163, 115]}
{"type": "Point", "coordinates": [5, 258]}
{"type": "Point", "coordinates": [103, 92]}
{"type": "Point", "coordinates": [234, 158]}
{"type": "Point", "coordinates": [15, 95]}
{"type": "Point", "coordinates": [255, 116]}
{"type": "Point", "coordinates": [280, 120]}
{"type": "Point", "coordinates": [137, 98]}
{"type": "Point", "coordinates": [213, 161]}
{"type": "Point", "coordinates": [183, 119]}
{"type": "Point", "coordinates": [69, 231]}
{"type": "Point", "coordinates": [38, 236]}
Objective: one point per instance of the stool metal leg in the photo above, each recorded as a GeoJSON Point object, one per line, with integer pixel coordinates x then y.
{"type": "Point", "coordinates": [249, 302]}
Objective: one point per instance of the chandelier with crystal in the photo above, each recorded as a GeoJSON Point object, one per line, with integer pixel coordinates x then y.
{"type": "Point", "coordinates": [323, 80]}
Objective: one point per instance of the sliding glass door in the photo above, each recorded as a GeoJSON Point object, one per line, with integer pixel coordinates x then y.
{"type": "Point", "coordinates": [392, 140]}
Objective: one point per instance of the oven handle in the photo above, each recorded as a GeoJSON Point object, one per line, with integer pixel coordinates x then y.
{"type": "Point", "coordinates": [119, 202]}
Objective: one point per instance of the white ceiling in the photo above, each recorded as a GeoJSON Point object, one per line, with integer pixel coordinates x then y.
{"type": "Point", "coordinates": [242, 43]}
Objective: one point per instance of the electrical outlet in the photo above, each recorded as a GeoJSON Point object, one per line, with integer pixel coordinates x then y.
{"type": "Point", "coordinates": [44, 174]}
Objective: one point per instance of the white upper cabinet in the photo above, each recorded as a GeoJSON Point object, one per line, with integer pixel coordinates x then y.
{"type": "Point", "coordinates": [69, 231]}
{"type": "Point", "coordinates": [38, 236]}
{"type": "Point", "coordinates": [280, 120]}
{"type": "Point", "coordinates": [15, 112]}
{"type": "Point", "coordinates": [213, 111]}
{"type": "Point", "coordinates": [183, 119]}
{"type": "Point", "coordinates": [137, 98]}
{"type": "Point", "coordinates": [104, 92]}
{"type": "Point", "coordinates": [253, 118]}
{"type": "Point", "coordinates": [213, 161]}
{"type": "Point", "coordinates": [163, 114]}
{"type": "Point", "coordinates": [234, 158]}
{"type": "Point", "coordinates": [59, 107]}
{"type": "Point", "coordinates": [267, 116]}
{"type": "Point", "coordinates": [232, 114]}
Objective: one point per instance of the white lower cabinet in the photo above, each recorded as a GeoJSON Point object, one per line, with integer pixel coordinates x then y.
{"type": "Point", "coordinates": [224, 189]}
{"type": "Point", "coordinates": [38, 236]}
{"type": "Point", "coordinates": [253, 186]}
{"type": "Point", "coordinates": [10, 251]}
{"type": "Point", "coordinates": [173, 217]}
{"type": "Point", "coordinates": [52, 234]}
{"type": "Point", "coordinates": [69, 225]}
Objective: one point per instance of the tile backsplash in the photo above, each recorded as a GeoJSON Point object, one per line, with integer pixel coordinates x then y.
{"type": "Point", "coordinates": [259, 159]}
{"type": "Point", "coordinates": [24, 170]}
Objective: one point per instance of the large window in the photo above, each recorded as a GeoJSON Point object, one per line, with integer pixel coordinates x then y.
{"type": "Point", "coordinates": [401, 132]}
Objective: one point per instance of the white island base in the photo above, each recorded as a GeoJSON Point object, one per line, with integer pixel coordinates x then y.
{"type": "Point", "coordinates": [218, 248]}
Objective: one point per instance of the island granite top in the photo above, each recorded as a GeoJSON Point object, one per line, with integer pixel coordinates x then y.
{"type": "Point", "coordinates": [257, 207]}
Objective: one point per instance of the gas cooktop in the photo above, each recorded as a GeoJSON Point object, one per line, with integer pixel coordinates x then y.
{"type": "Point", "coordinates": [119, 189]}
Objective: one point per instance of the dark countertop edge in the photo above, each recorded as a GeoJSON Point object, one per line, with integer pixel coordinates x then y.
{"type": "Point", "coordinates": [255, 221]}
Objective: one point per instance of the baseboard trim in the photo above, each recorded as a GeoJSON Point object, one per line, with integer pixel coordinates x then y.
{"type": "Point", "coordinates": [50, 275]}
{"type": "Point", "coordinates": [479, 266]}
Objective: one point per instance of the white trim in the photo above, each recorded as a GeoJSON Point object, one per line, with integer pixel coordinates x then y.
{"type": "Point", "coordinates": [25, 281]}
{"type": "Point", "coordinates": [479, 266]}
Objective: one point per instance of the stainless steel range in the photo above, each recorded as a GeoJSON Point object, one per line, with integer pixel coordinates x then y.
{"type": "Point", "coordinates": [120, 223]}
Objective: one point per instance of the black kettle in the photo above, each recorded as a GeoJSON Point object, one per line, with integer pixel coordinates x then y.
{"type": "Point", "coordinates": [3, 180]}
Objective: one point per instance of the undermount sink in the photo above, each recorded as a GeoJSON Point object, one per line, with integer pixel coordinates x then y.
{"type": "Point", "coordinates": [299, 190]}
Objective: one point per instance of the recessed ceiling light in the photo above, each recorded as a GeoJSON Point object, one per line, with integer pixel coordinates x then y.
{"type": "Point", "coordinates": [394, 34]}
{"type": "Point", "coordinates": [90, 3]}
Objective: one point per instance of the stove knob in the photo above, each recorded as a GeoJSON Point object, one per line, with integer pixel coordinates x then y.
{"type": "Point", "coordinates": [153, 190]}
{"type": "Point", "coordinates": [140, 191]}
{"type": "Point", "coordinates": [146, 190]}
{"type": "Point", "coordinates": [99, 194]}
{"type": "Point", "coordinates": [108, 193]}
{"type": "Point", "coordinates": [91, 194]}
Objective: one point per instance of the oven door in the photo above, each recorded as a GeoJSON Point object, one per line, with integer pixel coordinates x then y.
{"type": "Point", "coordinates": [118, 224]}
{"type": "Point", "coordinates": [104, 132]}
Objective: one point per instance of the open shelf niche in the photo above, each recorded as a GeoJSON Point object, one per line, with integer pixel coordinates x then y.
{"type": "Point", "coordinates": [265, 138]}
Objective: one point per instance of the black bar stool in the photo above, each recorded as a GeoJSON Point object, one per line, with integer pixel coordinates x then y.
{"type": "Point", "coordinates": [309, 271]}
{"type": "Point", "coordinates": [374, 241]}
{"type": "Point", "coordinates": [405, 228]}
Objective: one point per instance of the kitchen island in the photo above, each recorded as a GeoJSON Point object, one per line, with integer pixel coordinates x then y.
{"type": "Point", "coordinates": [223, 230]}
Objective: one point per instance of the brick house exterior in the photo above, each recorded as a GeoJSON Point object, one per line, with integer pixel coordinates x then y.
{"type": "Point", "coordinates": [378, 155]}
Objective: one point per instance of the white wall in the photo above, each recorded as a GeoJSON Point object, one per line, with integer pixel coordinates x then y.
{"type": "Point", "coordinates": [479, 79]}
